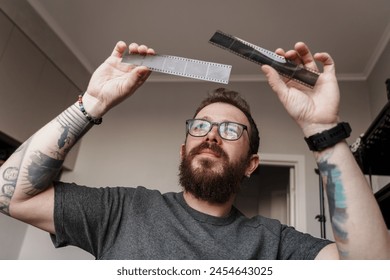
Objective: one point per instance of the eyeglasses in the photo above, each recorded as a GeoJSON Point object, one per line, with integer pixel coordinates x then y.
{"type": "Point", "coordinates": [227, 130]}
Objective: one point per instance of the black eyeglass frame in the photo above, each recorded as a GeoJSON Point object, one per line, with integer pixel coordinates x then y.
{"type": "Point", "coordinates": [212, 124]}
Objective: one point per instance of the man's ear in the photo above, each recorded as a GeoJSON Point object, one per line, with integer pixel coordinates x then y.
{"type": "Point", "coordinates": [182, 150]}
{"type": "Point", "coordinates": [253, 164]}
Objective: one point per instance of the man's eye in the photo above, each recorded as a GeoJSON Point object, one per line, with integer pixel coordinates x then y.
{"type": "Point", "coordinates": [231, 128]}
{"type": "Point", "coordinates": [200, 126]}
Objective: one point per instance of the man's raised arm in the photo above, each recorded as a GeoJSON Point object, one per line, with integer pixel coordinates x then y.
{"type": "Point", "coordinates": [357, 223]}
{"type": "Point", "coordinates": [26, 181]}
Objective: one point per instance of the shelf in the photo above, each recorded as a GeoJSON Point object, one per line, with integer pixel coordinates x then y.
{"type": "Point", "coordinates": [372, 153]}
{"type": "Point", "coordinates": [383, 198]}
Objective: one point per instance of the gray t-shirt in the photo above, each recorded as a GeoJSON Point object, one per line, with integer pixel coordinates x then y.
{"type": "Point", "coordinates": [138, 223]}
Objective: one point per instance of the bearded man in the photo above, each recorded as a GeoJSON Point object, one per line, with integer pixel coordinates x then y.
{"type": "Point", "coordinates": [220, 149]}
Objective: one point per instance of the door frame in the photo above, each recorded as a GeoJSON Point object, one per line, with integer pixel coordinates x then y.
{"type": "Point", "coordinates": [297, 187]}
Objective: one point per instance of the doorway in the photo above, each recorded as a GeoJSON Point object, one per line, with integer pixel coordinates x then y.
{"type": "Point", "coordinates": [266, 193]}
{"type": "Point", "coordinates": [276, 190]}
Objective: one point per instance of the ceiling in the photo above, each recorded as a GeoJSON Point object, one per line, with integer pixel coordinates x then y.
{"type": "Point", "coordinates": [354, 32]}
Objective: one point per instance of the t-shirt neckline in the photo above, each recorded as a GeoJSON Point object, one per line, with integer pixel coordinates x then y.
{"type": "Point", "coordinates": [206, 218]}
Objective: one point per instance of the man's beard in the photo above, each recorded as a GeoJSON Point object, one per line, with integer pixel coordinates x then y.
{"type": "Point", "coordinates": [207, 184]}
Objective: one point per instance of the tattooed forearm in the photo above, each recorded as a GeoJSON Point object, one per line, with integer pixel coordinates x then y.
{"type": "Point", "coordinates": [41, 172]}
{"type": "Point", "coordinates": [43, 169]}
{"type": "Point", "coordinates": [73, 123]}
{"type": "Point", "coordinates": [7, 192]}
{"type": "Point", "coordinates": [38, 161]}
{"type": "Point", "coordinates": [63, 138]}
{"type": "Point", "coordinates": [10, 176]}
{"type": "Point", "coordinates": [331, 177]}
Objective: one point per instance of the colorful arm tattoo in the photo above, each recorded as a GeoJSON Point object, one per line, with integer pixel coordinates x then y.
{"type": "Point", "coordinates": [333, 184]}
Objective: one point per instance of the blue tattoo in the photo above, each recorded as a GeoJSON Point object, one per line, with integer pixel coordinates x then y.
{"type": "Point", "coordinates": [331, 177]}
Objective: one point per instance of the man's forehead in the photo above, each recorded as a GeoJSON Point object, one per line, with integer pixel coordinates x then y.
{"type": "Point", "coordinates": [222, 112]}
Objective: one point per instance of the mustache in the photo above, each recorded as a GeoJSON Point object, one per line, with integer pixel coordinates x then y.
{"type": "Point", "coordinates": [211, 146]}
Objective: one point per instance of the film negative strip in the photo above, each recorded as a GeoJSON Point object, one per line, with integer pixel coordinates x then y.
{"type": "Point", "coordinates": [251, 52]}
{"type": "Point", "coordinates": [181, 66]}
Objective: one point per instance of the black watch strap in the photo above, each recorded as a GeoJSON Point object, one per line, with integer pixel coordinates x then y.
{"type": "Point", "coordinates": [328, 138]}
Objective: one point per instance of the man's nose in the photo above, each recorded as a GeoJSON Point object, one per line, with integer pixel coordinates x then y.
{"type": "Point", "coordinates": [213, 135]}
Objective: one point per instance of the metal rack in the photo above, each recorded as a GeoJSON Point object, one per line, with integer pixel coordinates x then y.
{"type": "Point", "coordinates": [372, 153]}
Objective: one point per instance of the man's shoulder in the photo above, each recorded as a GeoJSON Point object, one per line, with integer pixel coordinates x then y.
{"type": "Point", "coordinates": [149, 191]}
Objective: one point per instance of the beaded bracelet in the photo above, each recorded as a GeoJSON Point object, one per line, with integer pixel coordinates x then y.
{"type": "Point", "coordinates": [89, 118]}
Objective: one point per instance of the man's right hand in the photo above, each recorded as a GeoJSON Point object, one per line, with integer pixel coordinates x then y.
{"type": "Point", "coordinates": [114, 81]}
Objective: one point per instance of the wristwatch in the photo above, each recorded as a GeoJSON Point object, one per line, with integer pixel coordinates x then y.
{"type": "Point", "coordinates": [328, 138]}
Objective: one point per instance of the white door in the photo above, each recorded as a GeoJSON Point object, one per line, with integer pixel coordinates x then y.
{"type": "Point", "coordinates": [267, 193]}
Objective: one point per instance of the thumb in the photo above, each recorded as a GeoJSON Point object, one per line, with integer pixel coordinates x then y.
{"type": "Point", "coordinates": [274, 79]}
{"type": "Point", "coordinates": [138, 76]}
{"type": "Point", "coordinates": [142, 73]}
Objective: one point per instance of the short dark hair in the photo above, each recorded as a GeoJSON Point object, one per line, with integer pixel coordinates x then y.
{"type": "Point", "coordinates": [224, 95]}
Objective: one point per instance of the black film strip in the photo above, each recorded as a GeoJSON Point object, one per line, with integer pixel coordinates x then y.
{"type": "Point", "coordinates": [251, 52]}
